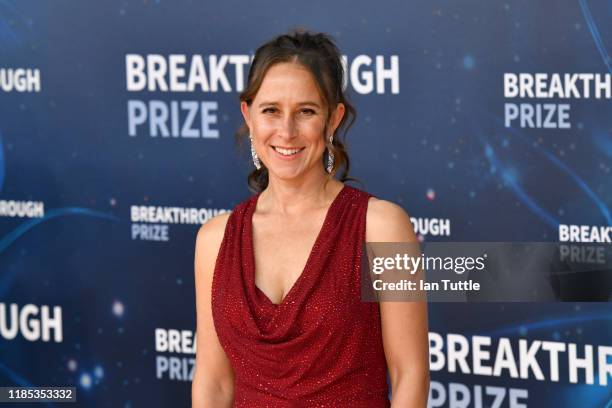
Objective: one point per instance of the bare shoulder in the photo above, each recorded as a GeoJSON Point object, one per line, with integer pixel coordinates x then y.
{"type": "Point", "coordinates": [388, 222]}
{"type": "Point", "coordinates": [210, 236]}
{"type": "Point", "coordinates": [214, 227]}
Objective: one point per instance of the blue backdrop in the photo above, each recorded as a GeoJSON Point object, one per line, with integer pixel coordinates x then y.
{"type": "Point", "coordinates": [116, 142]}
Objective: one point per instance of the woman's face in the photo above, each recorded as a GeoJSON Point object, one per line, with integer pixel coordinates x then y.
{"type": "Point", "coordinates": [287, 119]}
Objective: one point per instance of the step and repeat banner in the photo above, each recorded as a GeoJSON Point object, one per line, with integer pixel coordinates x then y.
{"type": "Point", "coordinates": [486, 121]}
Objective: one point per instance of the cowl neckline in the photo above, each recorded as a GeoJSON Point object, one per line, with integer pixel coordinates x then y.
{"type": "Point", "coordinates": [250, 271]}
{"type": "Point", "coordinates": [321, 345]}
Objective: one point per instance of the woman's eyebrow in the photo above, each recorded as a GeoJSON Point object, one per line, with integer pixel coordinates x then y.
{"type": "Point", "coordinates": [272, 103]}
{"type": "Point", "coordinates": [310, 103]}
{"type": "Point", "coordinates": [266, 103]}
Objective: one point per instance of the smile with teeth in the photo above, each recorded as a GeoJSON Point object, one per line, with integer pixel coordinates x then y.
{"type": "Point", "coordinates": [287, 152]}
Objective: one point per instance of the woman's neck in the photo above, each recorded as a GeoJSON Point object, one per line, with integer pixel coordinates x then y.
{"type": "Point", "coordinates": [294, 197]}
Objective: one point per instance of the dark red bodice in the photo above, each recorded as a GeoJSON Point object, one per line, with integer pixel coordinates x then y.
{"type": "Point", "coordinates": [321, 346]}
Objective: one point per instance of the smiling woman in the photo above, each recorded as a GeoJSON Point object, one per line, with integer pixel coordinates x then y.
{"type": "Point", "coordinates": [287, 118]}
{"type": "Point", "coordinates": [294, 93]}
{"type": "Point", "coordinates": [280, 319]}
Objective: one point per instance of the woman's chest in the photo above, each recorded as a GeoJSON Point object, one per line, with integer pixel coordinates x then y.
{"type": "Point", "coordinates": [282, 252]}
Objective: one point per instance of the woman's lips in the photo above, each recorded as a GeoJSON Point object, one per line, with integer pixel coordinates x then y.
{"type": "Point", "coordinates": [287, 153]}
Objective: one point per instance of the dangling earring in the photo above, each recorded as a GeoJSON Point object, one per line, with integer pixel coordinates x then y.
{"type": "Point", "coordinates": [256, 161]}
{"type": "Point", "coordinates": [330, 155]}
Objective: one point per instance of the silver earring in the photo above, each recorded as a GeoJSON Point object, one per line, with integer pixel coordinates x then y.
{"type": "Point", "coordinates": [256, 161]}
{"type": "Point", "coordinates": [330, 156]}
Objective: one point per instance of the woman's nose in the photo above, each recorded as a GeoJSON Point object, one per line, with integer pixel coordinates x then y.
{"type": "Point", "coordinates": [288, 127]}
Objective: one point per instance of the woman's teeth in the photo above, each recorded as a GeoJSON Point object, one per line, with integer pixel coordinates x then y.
{"type": "Point", "coordinates": [286, 152]}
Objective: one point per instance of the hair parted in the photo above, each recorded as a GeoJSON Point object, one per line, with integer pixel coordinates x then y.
{"type": "Point", "coordinates": [318, 53]}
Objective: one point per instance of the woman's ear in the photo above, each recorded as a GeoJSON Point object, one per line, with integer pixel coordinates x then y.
{"type": "Point", "coordinates": [246, 114]}
{"type": "Point", "coordinates": [337, 116]}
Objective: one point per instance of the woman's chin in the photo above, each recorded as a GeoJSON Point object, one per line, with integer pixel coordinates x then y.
{"type": "Point", "coordinates": [285, 172]}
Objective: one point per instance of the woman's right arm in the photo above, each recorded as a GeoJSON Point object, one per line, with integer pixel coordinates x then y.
{"type": "Point", "coordinates": [213, 379]}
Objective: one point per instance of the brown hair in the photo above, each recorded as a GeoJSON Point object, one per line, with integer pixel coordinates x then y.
{"type": "Point", "coordinates": [318, 53]}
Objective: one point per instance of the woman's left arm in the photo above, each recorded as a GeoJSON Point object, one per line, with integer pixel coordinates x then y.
{"type": "Point", "coordinates": [404, 324]}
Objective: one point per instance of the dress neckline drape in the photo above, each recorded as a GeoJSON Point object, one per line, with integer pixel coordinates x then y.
{"type": "Point", "coordinates": [251, 269]}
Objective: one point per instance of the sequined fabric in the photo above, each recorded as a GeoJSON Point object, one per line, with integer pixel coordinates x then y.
{"type": "Point", "coordinates": [321, 346]}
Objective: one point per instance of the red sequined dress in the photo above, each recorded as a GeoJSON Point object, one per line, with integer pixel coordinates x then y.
{"type": "Point", "coordinates": [321, 346]}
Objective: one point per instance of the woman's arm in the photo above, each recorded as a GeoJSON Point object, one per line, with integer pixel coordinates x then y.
{"type": "Point", "coordinates": [404, 324]}
{"type": "Point", "coordinates": [213, 379]}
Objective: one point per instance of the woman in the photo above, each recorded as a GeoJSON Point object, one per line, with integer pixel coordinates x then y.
{"type": "Point", "coordinates": [280, 320]}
